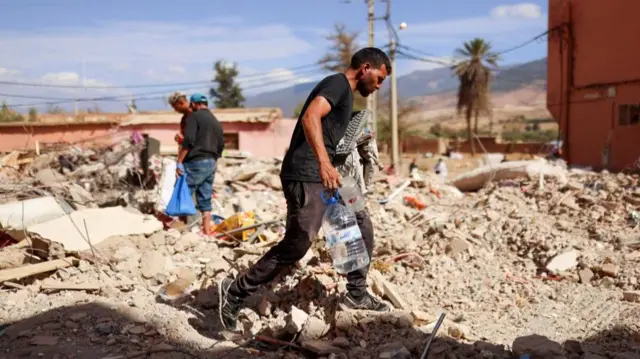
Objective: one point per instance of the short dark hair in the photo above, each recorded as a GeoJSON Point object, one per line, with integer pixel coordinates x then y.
{"type": "Point", "coordinates": [372, 55]}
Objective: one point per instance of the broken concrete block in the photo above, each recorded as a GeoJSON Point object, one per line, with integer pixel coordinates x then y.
{"type": "Point", "coordinates": [632, 296]}
{"type": "Point", "coordinates": [537, 346]}
{"type": "Point", "coordinates": [457, 245]}
{"type": "Point", "coordinates": [585, 275]}
{"type": "Point", "coordinates": [609, 269]}
{"type": "Point", "coordinates": [314, 328]}
{"type": "Point", "coordinates": [186, 242]}
{"type": "Point", "coordinates": [152, 263]}
{"type": "Point", "coordinates": [216, 265]}
{"type": "Point", "coordinates": [563, 262]}
{"type": "Point", "coordinates": [296, 320]}
{"type": "Point", "coordinates": [394, 350]}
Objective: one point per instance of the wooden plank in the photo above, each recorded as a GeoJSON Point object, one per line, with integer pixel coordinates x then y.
{"type": "Point", "coordinates": [33, 269]}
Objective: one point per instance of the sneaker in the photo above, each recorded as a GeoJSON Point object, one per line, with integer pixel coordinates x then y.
{"type": "Point", "coordinates": [228, 305]}
{"type": "Point", "coordinates": [367, 302]}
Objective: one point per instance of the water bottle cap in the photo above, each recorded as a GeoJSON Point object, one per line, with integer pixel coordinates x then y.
{"type": "Point", "coordinates": [331, 199]}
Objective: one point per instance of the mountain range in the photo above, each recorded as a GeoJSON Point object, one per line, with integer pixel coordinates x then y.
{"type": "Point", "coordinates": [418, 83]}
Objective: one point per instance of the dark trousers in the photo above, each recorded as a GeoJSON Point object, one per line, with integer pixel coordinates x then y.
{"type": "Point", "coordinates": [304, 219]}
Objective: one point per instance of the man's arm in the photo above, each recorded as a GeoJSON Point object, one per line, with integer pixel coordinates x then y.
{"type": "Point", "coordinates": [190, 129]}
{"type": "Point", "coordinates": [312, 126]}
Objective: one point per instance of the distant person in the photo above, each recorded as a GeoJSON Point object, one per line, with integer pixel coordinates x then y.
{"type": "Point", "coordinates": [201, 146]}
{"type": "Point", "coordinates": [441, 169]}
{"type": "Point", "coordinates": [413, 166]}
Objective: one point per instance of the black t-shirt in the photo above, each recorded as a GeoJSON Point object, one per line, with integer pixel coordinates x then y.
{"type": "Point", "coordinates": [300, 163]}
{"type": "Point", "coordinates": [203, 136]}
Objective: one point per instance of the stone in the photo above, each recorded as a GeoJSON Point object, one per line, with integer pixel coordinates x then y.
{"type": "Point", "coordinates": [456, 246]}
{"type": "Point", "coordinates": [563, 262]}
{"type": "Point", "coordinates": [585, 275]}
{"type": "Point", "coordinates": [609, 269]}
{"type": "Point", "coordinates": [493, 215]}
{"type": "Point", "coordinates": [563, 225]}
{"type": "Point", "coordinates": [296, 320]}
{"type": "Point", "coordinates": [395, 350]}
{"type": "Point", "coordinates": [341, 342]}
{"type": "Point", "coordinates": [105, 328]}
{"type": "Point", "coordinates": [186, 242]}
{"type": "Point", "coordinates": [477, 233]}
{"type": "Point", "coordinates": [321, 347]}
{"type": "Point", "coordinates": [537, 346]}
{"type": "Point", "coordinates": [459, 331]}
{"type": "Point", "coordinates": [592, 356]}
{"type": "Point", "coordinates": [138, 329]}
{"type": "Point", "coordinates": [215, 266]}
{"type": "Point", "coordinates": [314, 328]}
{"type": "Point", "coordinates": [264, 307]}
{"type": "Point", "coordinates": [152, 263]}
{"type": "Point", "coordinates": [632, 296]}
{"type": "Point", "coordinates": [77, 316]}
{"type": "Point", "coordinates": [44, 340]}
{"type": "Point", "coordinates": [344, 321]}
{"type": "Point", "coordinates": [158, 239]}
{"type": "Point", "coordinates": [421, 317]}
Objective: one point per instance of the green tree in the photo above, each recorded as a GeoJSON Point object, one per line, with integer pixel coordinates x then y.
{"type": "Point", "coordinates": [8, 115]}
{"type": "Point", "coordinates": [338, 58]}
{"type": "Point", "coordinates": [55, 110]}
{"type": "Point", "coordinates": [227, 93]}
{"type": "Point", "coordinates": [33, 114]}
{"type": "Point", "coordinates": [475, 79]}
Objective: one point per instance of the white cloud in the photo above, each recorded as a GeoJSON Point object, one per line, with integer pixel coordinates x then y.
{"type": "Point", "coordinates": [275, 79]}
{"type": "Point", "coordinates": [177, 70]}
{"type": "Point", "coordinates": [61, 78]}
{"type": "Point", "coordinates": [524, 10]}
{"type": "Point", "coordinates": [144, 43]}
{"type": "Point", "coordinates": [4, 72]}
{"type": "Point", "coordinates": [503, 25]}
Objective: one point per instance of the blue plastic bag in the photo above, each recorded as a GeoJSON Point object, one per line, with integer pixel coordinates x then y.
{"type": "Point", "coordinates": [181, 203]}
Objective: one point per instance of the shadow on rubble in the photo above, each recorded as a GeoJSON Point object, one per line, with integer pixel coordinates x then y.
{"type": "Point", "coordinates": [95, 331]}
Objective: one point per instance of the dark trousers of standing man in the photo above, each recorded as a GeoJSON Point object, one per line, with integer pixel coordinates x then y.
{"type": "Point", "coordinates": [304, 219]}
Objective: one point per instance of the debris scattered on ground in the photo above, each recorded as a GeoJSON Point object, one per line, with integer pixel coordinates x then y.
{"type": "Point", "coordinates": [506, 250]}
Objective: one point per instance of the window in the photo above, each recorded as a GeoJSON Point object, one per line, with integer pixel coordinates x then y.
{"type": "Point", "coordinates": [231, 141]}
{"type": "Point", "coordinates": [628, 115]}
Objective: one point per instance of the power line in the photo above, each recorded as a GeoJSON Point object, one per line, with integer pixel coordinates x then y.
{"type": "Point", "coordinates": [139, 97]}
{"type": "Point", "coordinates": [175, 84]}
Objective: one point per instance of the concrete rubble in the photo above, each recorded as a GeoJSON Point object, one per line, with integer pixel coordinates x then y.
{"type": "Point", "coordinates": [510, 256]}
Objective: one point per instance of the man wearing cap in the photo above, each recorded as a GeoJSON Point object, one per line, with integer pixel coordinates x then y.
{"type": "Point", "coordinates": [201, 146]}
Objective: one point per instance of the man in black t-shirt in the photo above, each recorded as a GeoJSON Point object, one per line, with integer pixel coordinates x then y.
{"type": "Point", "coordinates": [307, 171]}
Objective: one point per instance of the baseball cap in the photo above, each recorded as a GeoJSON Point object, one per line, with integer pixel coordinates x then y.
{"type": "Point", "coordinates": [173, 98]}
{"type": "Point", "coordinates": [198, 97]}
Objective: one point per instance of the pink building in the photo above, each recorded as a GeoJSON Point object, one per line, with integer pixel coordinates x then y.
{"type": "Point", "coordinates": [262, 132]}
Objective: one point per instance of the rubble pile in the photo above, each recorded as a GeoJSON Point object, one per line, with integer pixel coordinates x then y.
{"type": "Point", "coordinates": [552, 255]}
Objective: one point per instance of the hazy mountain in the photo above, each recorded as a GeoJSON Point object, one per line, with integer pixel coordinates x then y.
{"type": "Point", "coordinates": [415, 84]}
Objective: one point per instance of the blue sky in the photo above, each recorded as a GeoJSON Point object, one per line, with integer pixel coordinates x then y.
{"type": "Point", "coordinates": [156, 42]}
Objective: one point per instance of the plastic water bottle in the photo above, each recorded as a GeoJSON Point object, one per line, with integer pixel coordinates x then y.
{"type": "Point", "coordinates": [344, 238]}
{"type": "Point", "coordinates": [351, 194]}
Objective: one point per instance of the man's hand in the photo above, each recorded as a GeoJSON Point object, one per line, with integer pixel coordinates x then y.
{"type": "Point", "coordinates": [330, 177]}
{"type": "Point", "coordinates": [179, 170]}
{"type": "Point", "coordinates": [179, 138]}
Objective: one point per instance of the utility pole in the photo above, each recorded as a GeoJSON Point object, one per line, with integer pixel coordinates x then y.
{"type": "Point", "coordinates": [371, 100]}
{"type": "Point", "coordinates": [395, 154]}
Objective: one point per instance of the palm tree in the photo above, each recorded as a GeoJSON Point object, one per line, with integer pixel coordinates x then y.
{"type": "Point", "coordinates": [475, 79]}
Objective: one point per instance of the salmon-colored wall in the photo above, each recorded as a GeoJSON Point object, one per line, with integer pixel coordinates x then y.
{"type": "Point", "coordinates": [262, 140]}
{"type": "Point", "coordinates": [592, 69]}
